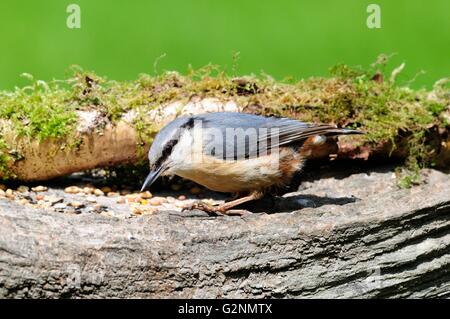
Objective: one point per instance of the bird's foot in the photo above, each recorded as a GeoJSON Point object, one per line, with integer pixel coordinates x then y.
{"type": "Point", "coordinates": [207, 208]}
{"type": "Point", "coordinates": [215, 209]}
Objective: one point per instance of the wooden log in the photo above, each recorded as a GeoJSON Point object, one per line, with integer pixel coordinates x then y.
{"type": "Point", "coordinates": [106, 145]}
{"type": "Point", "coordinates": [395, 244]}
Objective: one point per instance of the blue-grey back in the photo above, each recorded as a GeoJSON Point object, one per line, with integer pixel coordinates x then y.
{"type": "Point", "coordinates": [231, 135]}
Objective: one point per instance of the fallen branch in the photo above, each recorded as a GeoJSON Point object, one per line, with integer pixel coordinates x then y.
{"type": "Point", "coordinates": [109, 130]}
{"type": "Point", "coordinates": [120, 143]}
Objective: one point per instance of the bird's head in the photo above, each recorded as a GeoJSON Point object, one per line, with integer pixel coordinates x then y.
{"type": "Point", "coordinates": [163, 145]}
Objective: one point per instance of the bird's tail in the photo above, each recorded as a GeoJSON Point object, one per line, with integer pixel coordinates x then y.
{"type": "Point", "coordinates": [333, 131]}
{"type": "Point", "coordinates": [316, 137]}
{"type": "Point", "coordinates": [323, 130]}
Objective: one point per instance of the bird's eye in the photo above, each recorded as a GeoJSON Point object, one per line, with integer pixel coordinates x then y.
{"type": "Point", "coordinates": [167, 150]}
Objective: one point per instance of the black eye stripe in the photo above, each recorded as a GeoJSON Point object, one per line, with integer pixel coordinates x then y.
{"type": "Point", "coordinates": [167, 150]}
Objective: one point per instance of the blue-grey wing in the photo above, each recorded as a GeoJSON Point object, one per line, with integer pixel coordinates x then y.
{"type": "Point", "coordinates": [229, 135]}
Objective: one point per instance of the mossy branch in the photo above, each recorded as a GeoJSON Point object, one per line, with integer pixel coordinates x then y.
{"type": "Point", "coordinates": [86, 121]}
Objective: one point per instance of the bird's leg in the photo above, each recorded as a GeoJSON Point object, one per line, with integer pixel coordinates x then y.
{"type": "Point", "coordinates": [224, 208]}
{"type": "Point", "coordinates": [227, 206]}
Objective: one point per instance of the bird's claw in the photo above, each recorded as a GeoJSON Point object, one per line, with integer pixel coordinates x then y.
{"type": "Point", "coordinates": [215, 210]}
{"type": "Point", "coordinates": [207, 208]}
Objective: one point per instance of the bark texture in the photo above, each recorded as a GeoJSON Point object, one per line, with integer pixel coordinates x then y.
{"type": "Point", "coordinates": [391, 244]}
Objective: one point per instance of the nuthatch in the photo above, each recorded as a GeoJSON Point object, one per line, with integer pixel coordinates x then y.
{"type": "Point", "coordinates": [235, 152]}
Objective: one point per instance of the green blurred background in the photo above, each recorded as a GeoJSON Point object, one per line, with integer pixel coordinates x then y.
{"type": "Point", "coordinates": [121, 39]}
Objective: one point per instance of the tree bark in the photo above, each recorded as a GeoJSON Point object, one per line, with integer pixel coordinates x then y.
{"type": "Point", "coordinates": [391, 245]}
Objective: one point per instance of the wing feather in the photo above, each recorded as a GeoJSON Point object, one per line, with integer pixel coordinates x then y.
{"type": "Point", "coordinates": [262, 134]}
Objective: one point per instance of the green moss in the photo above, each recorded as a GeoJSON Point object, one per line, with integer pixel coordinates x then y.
{"type": "Point", "coordinates": [408, 178]}
{"type": "Point", "coordinates": [5, 159]}
{"type": "Point", "coordinates": [37, 111]}
{"type": "Point", "coordinates": [369, 99]}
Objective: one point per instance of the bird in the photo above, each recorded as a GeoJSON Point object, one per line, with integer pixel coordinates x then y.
{"type": "Point", "coordinates": [233, 152]}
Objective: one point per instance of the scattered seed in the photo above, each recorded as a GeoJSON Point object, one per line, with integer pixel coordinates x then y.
{"type": "Point", "coordinates": [23, 201]}
{"type": "Point", "coordinates": [120, 200]}
{"type": "Point", "coordinates": [40, 197]}
{"type": "Point", "coordinates": [88, 190]}
{"type": "Point", "coordinates": [181, 197]}
{"type": "Point", "coordinates": [106, 189]}
{"type": "Point", "coordinates": [97, 207]}
{"type": "Point", "coordinates": [23, 189]}
{"type": "Point", "coordinates": [107, 213]}
{"type": "Point", "coordinates": [132, 198]}
{"type": "Point", "coordinates": [136, 210]}
{"type": "Point", "coordinates": [2, 193]}
{"type": "Point", "coordinates": [98, 192]}
{"type": "Point", "coordinates": [146, 195]}
{"type": "Point", "coordinates": [39, 188]}
{"type": "Point", "coordinates": [91, 199]}
{"type": "Point", "coordinates": [9, 193]}
{"type": "Point", "coordinates": [76, 204]}
{"type": "Point", "coordinates": [60, 206]}
{"type": "Point", "coordinates": [72, 190]}
{"type": "Point", "coordinates": [209, 201]}
{"type": "Point", "coordinates": [170, 199]}
{"type": "Point", "coordinates": [155, 202]}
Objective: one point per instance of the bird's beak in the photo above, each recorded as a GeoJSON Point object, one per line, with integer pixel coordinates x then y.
{"type": "Point", "coordinates": [152, 176]}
